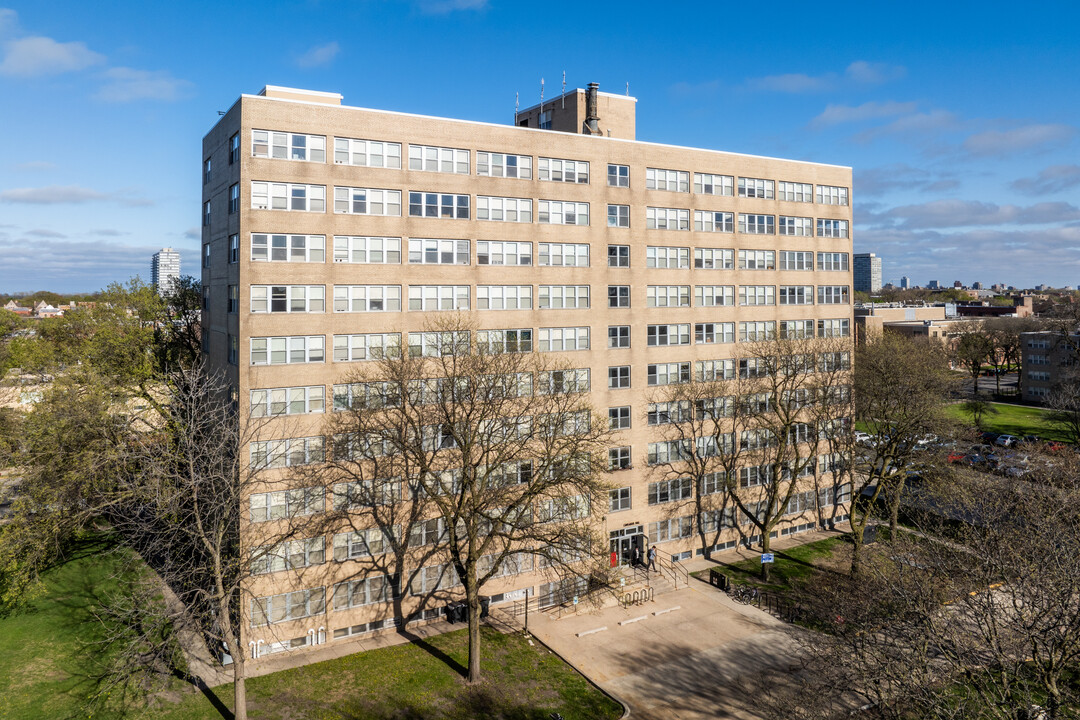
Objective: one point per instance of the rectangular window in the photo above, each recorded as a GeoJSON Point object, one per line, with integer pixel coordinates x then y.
{"type": "Point", "coordinates": [368, 346]}
{"type": "Point", "coordinates": [287, 350]}
{"type": "Point", "coordinates": [206, 214]}
{"type": "Point", "coordinates": [795, 192]}
{"type": "Point", "coordinates": [495, 252]}
{"type": "Point", "coordinates": [665, 335]}
{"type": "Point", "coordinates": [234, 350]}
{"type": "Point", "coordinates": [832, 361]}
{"type": "Point", "coordinates": [556, 170]}
{"type": "Point", "coordinates": [367, 298]}
{"type": "Point", "coordinates": [234, 148]}
{"type": "Point", "coordinates": [714, 332]}
{"type": "Point", "coordinates": [712, 221]}
{"type": "Point", "coordinates": [288, 298]}
{"type": "Point", "coordinates": [670, 490]}
{"type": "Point", "coordinates": [757, 260]}
{"type": "Point", "coordinates": [556, 212]}
{"type": "Point", "coordinates": [288, 146]}
{"type": "Point", "coordinates": [294, 197]}
{"type": "Point", "coordinates": [669, 373]}
{"type": "Point", "coordinates": [658, 218]}
{"type": "Point", "coordinates": [505, 341]}
{"type": "Point", "coordinates": [564, 296]}
{"type": "Point", "coordinates": [234, 248]}
{"type": "Point", "coordinates": [714, 258]}
{"type": "Point", "coordinates": [438, 159]}
{"type": "Point", "coordinates": [367, 201]}
{"type": "Point", "coordinates": [618, 255]}
{"type": "Point", "coordinates": [618, 296]}
{"type": "Point", "coordinates": [438, 252]}
{"type": "Point", "coordinates": [666, 413]}
{"type": "Point", "coordinates": [286, 453]}
{"type": "Point", "coordinates": [667, 257]}
{"type": "Point", "coordinates": [288, 248]}
{"type": "Point", "coordinates": [840, 327]}
{"type": "Point", "coordinates": [757, 224]}
{"type": "Point", "coordinates": [367, 153]}
{"type": "Point", "coordinates": [563, 254]}
{"type": "Point", "coordinates": [234, 198]}
{"type": "Point", "coordinates": [796, 226]}
{"type": "Point", "coordinates": [618, 499]}
{"type": "Point", "coordinates": [438, 344]}
{"type": "Point", "coordinates": [673, 529]}
{"type": "Point", "coordinates": [796, 329]}
{"type": "Point", "coordinates": [757, 331]}
{"type": "Point", "coordinates": [618, 377]}
{"type": "Point", "coordinates": [503, 209]}
{"type": "Point", "coordinates": [288, 606]}
{"type": "Point", "coordinates": [796, 260]}
{"type": "Point", "coordinates": [667, 296]}
{"type": "Point", "coordinates": [619, 418]}
{"type": "Point", "coordinates": [712, 370]}
{"type": "Point", "coordinates": [832, 261]}
{"type": "Point", "coordinates": [618, 216]}
{"type": "Point", "coordinates": [755, 188]}
{"type": "Point", "coordinates": [438, 297]}
{"type": "Point", "coordinates": [672, 180]}
{"type": "Point", "coordinates": [833, 295]}
{"type": "Point", "coordinates": [367, 591]}
{"type": "Point", "coordinates": [714, 295]}
{"type": "Point", "coordinates": [288, 401]}
{"type": "Point", "coordinates": [367, 250]}
{"type": "Point", "coordinates": [565, 381]}
{"type": "Point", "coordinates": [618, 336]}
{"type": "Point", "coordinates": [668, 451]}
{"type": "Point", "coordinates": [504, 297]}
{"type": "Point", "coordinates": [286, 503]}
{"type": "Point", "coordinates": [796, 294]}
{"type": "Point", "coordinates": [564, 339]}
{"type": "Point", "coordinates": [706, 184]}
{"type": "Point", "coordinates": [433, 205]}
{"type": "Point", "coordinates": [832, 195]}
{"type": "Point", "coordinates": [832, 228]}
{"type": "Point", "coordinates": [234, 299]}
{"type": "Point", "coordinates": [206, 255]}
{"type": "Point", "coordinates": [206, 171]}
{"type": "Point", "coordinates": [489, 164]}
{"type": "Point", "coordinates": [618, 175]}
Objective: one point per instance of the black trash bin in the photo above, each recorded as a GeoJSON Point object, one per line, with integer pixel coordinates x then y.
{"type": "Point", "coordinates": [485, 603]}
{"type": "Point", "coordinates": [457, 612]}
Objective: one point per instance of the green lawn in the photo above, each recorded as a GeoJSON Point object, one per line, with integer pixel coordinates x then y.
{"type": "Point", "coordinates": [1010, 420]}
{"type": "Point", "coordinates": [45, 671]}
{"type": "Point", "coordinates": [792, 567]}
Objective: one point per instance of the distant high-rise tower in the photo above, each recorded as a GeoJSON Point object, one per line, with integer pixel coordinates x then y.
{"type": "Point", "coordinates": [905, 283]}
{"type": "Point", "coordinates": [165, 269]}
{"type": "Point", "coordinates": [867, 271]}
{"type": "Point", "coordinates": [933, 285]}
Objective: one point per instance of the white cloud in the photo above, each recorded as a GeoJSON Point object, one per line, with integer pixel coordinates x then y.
{"type": "Point", "coordinates": [1028, 137]}
{"type": "Point", "coordinates": [193, 233]}
{"type": "Point", "coordinates": [46, 233]}
{"type": "Point", "coordinates": [9, 20]}
{"type": "Point", "coordinates": [108, 232]}
{"type": "Point", "coordinates": [793, 83]}
{"type": "Point", "coordinates": [70, 266]}
{"type": "Point", "coordinates": [868, 73]}
{"type": "Point", "coordinates": [875, 181]}
{"type": "Point", "coordinates": [69, 195]}
{"type": "Point", "coordinates": [971, 213]}
{"type": "Point", "coordinates": [34, 165]}
{"type": "Point", "coordinates": [836, 114]}
{"type": "Point", "coordinates": [124, 84]}
{"type": "Point", "coordinates": [37, 56]}
{"type": "Point", "coordinates": [1050, 180]}
{"type": "Point", "coordinates": [442, 7]}
{"type": "Point", "coordinates": [858, 73]}
{"type": "Point", "coordinates": [319, 55]}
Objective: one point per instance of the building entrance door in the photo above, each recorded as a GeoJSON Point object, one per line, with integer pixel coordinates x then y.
{"type": "Point", "coordinates": [623, 542]}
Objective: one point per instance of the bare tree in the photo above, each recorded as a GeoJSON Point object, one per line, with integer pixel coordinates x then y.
{"type": "Point", "coordinates": [973, 347]}
{"type": "Point", "coordinates": [467, 453]}
{"type": "Point", "coordinates": [899, 387]}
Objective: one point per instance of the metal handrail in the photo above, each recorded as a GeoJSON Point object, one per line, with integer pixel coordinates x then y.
{"type": "Point", "coordinates": [675, 570]}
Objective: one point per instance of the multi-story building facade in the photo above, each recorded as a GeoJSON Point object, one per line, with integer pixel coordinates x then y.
{"type": "Point", "coordinates": [867, 267]}
{"type": "Point", "coordinates": [1047, 359]}
{"type": "Point", "coordinates": [165, 269]}
{"type": "Point", "coordinates": [330, 231]}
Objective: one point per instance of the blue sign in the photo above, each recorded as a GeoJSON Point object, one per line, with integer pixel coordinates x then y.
{"type": "Point", "coordinates": [766, 558]}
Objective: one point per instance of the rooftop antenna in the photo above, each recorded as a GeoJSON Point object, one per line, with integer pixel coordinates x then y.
{"type": "Point", "coordinates": [627, 88]}
{"type": "Point", "coordinates": [563, 89]}
{"type": "Point", "coordinates": [541, 96]}
{"type": "Point", "coordinates": [517, 102]}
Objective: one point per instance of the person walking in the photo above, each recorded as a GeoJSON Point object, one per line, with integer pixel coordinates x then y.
{"type": "Point", "coordinates": [652, 559]}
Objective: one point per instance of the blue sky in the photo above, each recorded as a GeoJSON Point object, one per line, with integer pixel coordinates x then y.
{"type": "Point", "coordinates": [959, 118]}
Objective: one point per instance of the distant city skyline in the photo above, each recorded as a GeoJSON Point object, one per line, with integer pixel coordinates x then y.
{"type": "Point", "coordinates": [963, 144]}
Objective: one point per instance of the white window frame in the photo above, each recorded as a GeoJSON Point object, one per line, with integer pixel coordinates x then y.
{"type": "Point", "coordinates": [667, 296]}
{"type": "Point", "coordinates": [367, 201]}
{"type": "Point", "coordinates": [503, 252]}
{"type": "Point", "coordinates": [559, 170]}
{"type": "Point", "coordinates": [433, 298]}
{"type": "Point", "coordinates": [560, 212]}
{"type": "Point", "coordinates": [277, 145]}
{"type": "Point", "coordinates": [361, 298]}
{"type": "Point", "coordinates": [710, 184]}
{"type": "Point", "coordinates": [666, 257]}
{"type": "Point", "coordinates": [504, 297]}
{"type": "Point", "coordinates": [714, 221]}
{"type": "Point", "coordinates": [666, 335]}
{"type": "Point", "coordinates": [504, 209]}
{"type": "Point", "coordinates": [306, 400]}
{"type": "Point", "coordinates": [669, 180]}
{"type": "Point", "coordinates": [432, 158]}
{"type": "Point", "coordinates": [290, 197]}
{"type": "Point", "coordinates": [757, 295]}
{"type": "Point", "coordinates": [367, 250]}
{"type": "Point", "coordinates": [367, 153]}
{"type": "Point", "coordinates": [714, 259]}
{"type": "Point", "coordinates": [661, 218]}
{"type": "Point", "coordinates": [562, 255]}
{"type": "Point", "coordinates": [363, 347]}
{"type": "Point", "coordinates": [714, 296]}
{"type": "Point", "coordinates": [287, 349]}
{"type": "Point", "coordinates": [448, 206]}
{"type": "Point", "coordinates": [560, 296]}
{"type": "Point", "coordinates": [439, 251]}
{"type": "Point", "coordinates": [280, 247]}
{"type": "Point", "coordinates": [503, 165]}
{"type": "Point", "coordinates": [793, 226]}
{"type": "Point", "coordinates": [313, 298]}
{"type": "Point", "coordinates": [795, 192]}
{"type": "Point", "coordinates": [756, 188]}
{"type": "Point", "coordinates": [563, 339]}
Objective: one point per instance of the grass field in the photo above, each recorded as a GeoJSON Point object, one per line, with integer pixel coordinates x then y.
{"type": "Point", "coordinates": [46, 670]}
{"type": "Point", "coordinates": [1010, 420]}
{"type": "Point", "coordinates": [792, 567]}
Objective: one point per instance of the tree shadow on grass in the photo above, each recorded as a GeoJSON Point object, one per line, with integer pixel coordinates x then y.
{"type": "Point", "coordinates": [470, 703]}
{"type": "Point", "coordinates": [434, 651]}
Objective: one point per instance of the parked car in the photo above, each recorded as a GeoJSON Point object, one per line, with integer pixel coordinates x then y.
{"type": "Point", "coordinates": [1006, 440]}
{"type": "Point", "coordinates": [989, 437]}
{"type": "Point", "coordinates": [863, 438]}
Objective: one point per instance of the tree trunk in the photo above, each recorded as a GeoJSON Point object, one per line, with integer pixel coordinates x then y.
{"type": "Point", "coordinates": [856, 548]}
{"type": "Point", "coordinates": [239, 688]}
{"type": "Point", "coordinates": [764, 549]}
{"type": "Point", "coordinates": [473, 598]}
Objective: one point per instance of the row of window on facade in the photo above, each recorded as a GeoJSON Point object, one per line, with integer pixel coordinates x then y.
{"type": "Point", "coordinates": [426, 158]}
{"type": "Point", "coordinates": [294, 349]}
{"type": "Point", "coordinates": [299, 197]}
{"type": "Point", "coordinates": [429, 298]}
{"type": "Point", "coordinates": [369, 250]}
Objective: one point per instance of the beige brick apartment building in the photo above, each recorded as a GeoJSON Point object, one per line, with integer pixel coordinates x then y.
{"type": "Point", "coordinates": [330, 232]}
